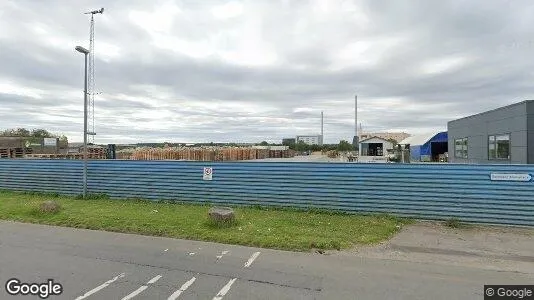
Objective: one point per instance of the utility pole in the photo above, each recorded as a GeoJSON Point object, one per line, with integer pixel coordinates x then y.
{"type": "Point", "coordinates": [85, 52]}
{"type": "Point", "coordinates": [356, 139]}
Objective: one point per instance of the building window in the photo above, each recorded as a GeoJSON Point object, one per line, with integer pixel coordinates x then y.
{"type": "Point", "coordinates": [460, 148]}
{"type": "Point", "coordinates": [499, 146]}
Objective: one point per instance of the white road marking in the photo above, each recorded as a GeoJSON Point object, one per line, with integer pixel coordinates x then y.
{"type": "Point", "coordinates": [251, 259]}
{"type": "Point", "coordinates": [135, 293]}
{"type": "Point", "coordinates": [222, 254]}
{"type": "Point", "coordinates": [224, 290]}
{"type": "Point", "coordinates": [98, 288]}
{"type": "Point", "coordinates": [151, 281]}
{"type": "Point", "coordinates": [142, 288]}
{"type": "Point", "coordinates": [182, 289]}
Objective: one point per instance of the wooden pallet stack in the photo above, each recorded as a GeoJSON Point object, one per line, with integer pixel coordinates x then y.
{"type": "Point", "coordinates": [14, 152]}
{"type": "Point", "coordinates": [4, 153]}
{"type": "Point", "coordinates": [262, 153]}
{"type": "Point", "coordinates": [66, 156]}
{"type": "Point", "coordinates": [204, 154]}
{"type": "Point", "coordinates": [17, 153]}
{"type": "Point", "coordinates": [124, 155]}
{"type": "Point", "coordinates": [275, 154]}
{"type": "Point", "coordinates": [251, 154]}
{"type": "Point", "coordinates": [96, 153]}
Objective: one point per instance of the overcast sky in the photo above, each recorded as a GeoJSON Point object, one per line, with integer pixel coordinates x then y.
{"type": "Point", "coordinates": [247, 71]}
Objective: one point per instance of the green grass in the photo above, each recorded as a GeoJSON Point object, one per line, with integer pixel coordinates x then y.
{"type": "Point", "coordinates": [287, 229]}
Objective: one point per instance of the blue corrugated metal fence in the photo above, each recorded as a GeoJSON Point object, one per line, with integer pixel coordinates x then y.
{"type": "Point", "coordinates": [426, 191]}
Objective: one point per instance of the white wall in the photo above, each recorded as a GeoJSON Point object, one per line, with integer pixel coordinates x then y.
{"type": "Point", "coordinates": [386, 145]}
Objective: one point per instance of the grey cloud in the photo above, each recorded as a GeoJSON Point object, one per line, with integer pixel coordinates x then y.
{"type": "Point", "coordinates": [21, 102]}
{"type": "Point", "coordinates": [114, 103]}
{"type": "Point", "coordinates": [494, 37]}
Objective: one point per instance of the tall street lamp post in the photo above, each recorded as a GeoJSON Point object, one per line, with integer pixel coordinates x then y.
{"type": "Point", "coordinates": [85, 52]}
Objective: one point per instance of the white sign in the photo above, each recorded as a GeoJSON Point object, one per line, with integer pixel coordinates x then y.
{"type": "Point", "coordinates": [510, 177]}
{"type": "Point", "coordinates": [50, 142]}
{"type": "Point", "coordinates": [208, 173]}
{"type": "Point", "coordinates": [372, 159]}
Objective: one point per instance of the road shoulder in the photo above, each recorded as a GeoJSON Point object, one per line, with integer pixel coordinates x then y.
{"type": "Point", "coordinates": [486, 247]}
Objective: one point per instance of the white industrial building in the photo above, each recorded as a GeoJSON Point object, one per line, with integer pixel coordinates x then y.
{"type": "Point", "coordinates": [374, 149]}
{"type": "Point", "coordinates": [310, 139]}
{"type": "Point", "coordinates": [277, 148]}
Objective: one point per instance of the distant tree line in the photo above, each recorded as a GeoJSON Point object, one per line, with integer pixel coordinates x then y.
{"type": "Point", "coordinates": [34, 133]}
{"type": "Point", "coordinates": [343, 146]}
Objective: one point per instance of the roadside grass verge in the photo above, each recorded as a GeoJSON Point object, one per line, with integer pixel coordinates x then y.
{"type": "Point", "coordinates": [287, 229]}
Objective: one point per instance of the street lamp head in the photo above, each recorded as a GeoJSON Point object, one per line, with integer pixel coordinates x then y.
{"type": "Point", "coordinates": [82, 50]}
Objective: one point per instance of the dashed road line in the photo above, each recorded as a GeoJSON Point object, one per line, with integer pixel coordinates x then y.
{"type": "Point", "coordinates": [222, 254]}
{"type": "Point", "coordinates": [182, 289]}
{"type": "Point", "coordinates": [153, 280]}
{"type": "Point", "coordinates": [251, 259]}
{"type": "Point", "coordinates": [142, 288]}
{"type": "Point", "coordinates": [224, 290]}
{"type": "Point", "coordinates": [227, 287]}
{"type": "Point", "coordinates": [98, 288]}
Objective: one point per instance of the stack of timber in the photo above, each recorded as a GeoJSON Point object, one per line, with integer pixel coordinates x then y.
{"type": "Point", "coordinates": [97, 152]}
{"type": "Point", "coordinates": [4, 153]}
{"type": "Point", "coordinates": [94, 155]}
{"type": "Point", "coordinates": [203, 154]}
{"type": "Point", "coordinates": [14, 152]}
{"type": "Point", "coordinates": [17, 153]}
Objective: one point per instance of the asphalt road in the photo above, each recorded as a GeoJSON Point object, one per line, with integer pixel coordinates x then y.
{"type": "Point", "coordinates": [102, 265]}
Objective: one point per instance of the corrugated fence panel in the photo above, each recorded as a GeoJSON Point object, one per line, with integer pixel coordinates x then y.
{"type": "Point", "coordinates": [53, 176]}
{"type": "Point", "coordinates": [425, 191]}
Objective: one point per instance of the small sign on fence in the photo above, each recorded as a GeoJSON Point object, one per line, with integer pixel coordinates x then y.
{"type": "Point", "coordinates": [208, 173]}
{"type": "Point", "coordinates": [510, 177]}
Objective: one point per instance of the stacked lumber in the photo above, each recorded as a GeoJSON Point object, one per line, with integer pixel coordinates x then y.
{"type": "Point", "coordinates": [67, 156]}
{"type": "Point", "coordinates": [203, 154]}
{"type": "Point", "coordinates": [97, 151]}
{"type": "Point", "coordinates": [4, 153]}
{"type": "Point", "coordinates": [14, 152]}
{"type": "Point", "coordinates": [169, 153]}
{"type": "Point", "coordinates": [18, 153]}
{"type": "Point", "coordinates": [262, 153]}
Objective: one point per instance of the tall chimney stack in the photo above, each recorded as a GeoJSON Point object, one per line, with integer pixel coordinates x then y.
{"type": "Point", "coordinates": [322, 124]}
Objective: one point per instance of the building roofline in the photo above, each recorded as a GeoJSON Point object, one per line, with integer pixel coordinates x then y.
{"type": "Point", "coordinates": [373, 137]}
{"type": "Point", "coordinates": [415, 140]}
{"type": "Point", "coordinates": [493, 110]}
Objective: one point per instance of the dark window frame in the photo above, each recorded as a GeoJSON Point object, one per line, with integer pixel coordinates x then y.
{"type": "Point", "coordinates": [495, 135]}
{"type": "Point", "coordinates": [464, 142]}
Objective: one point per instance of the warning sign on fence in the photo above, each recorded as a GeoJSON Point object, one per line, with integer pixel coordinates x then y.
{"type": "Point", "coordinates": [208, 173]}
